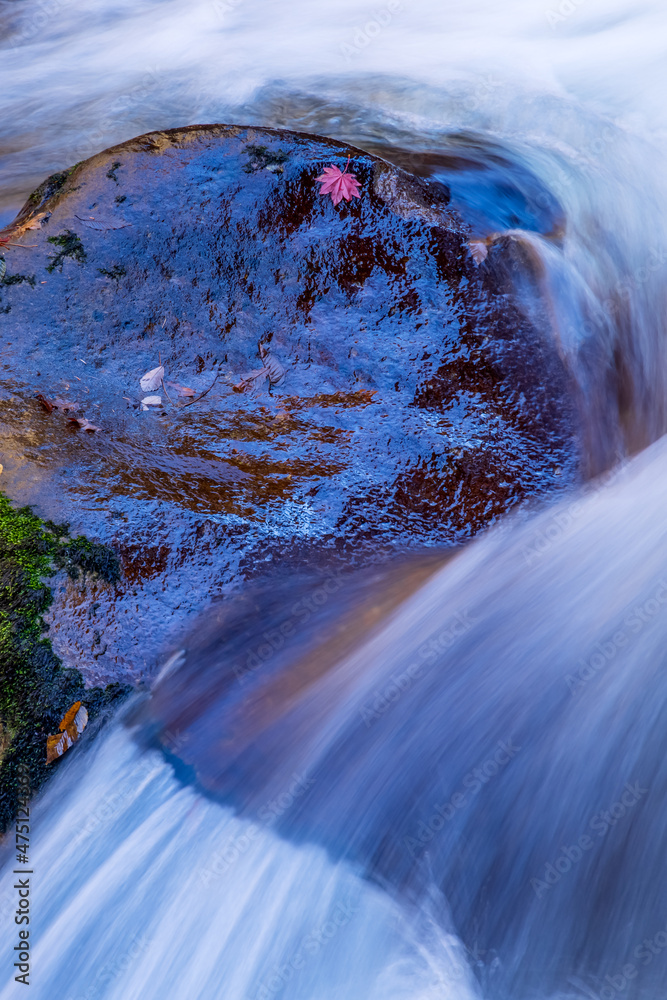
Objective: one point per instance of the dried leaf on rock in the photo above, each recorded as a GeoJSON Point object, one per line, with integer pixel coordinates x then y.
{"type": "Point", "coordinates": [14, 231]}
{"type": "Point", "coordinates": [76, 716]}
{"type": "Point", "coordinates": [72, 725]}
{"type": "Point", "coordinates": [182, 390]}
{"type": "Point", "coordinates": [152, 379]}
{"type": "Point", "coordinates": [272, 370]}
{"type": "Point", "coordinates": [56, 746]}
{"type": "Point", "coordinates": [152, 400]}
{"type": "Point", "coordinates": [252, 380]}
{"type": "Point", "coordinates": [84, 424]}
{"type": "Point", "coordinates": [103, 224]}
{"type": "Point", "coordinates": [276, 371]}
{"type": "Point", "coordinates": [202, 394]}
{"type": "Point", "coordinates": [35, 223]}
{"type": "Point", "coordinates": [339, 183]}
{"type": "Point", "coordinates": [46, 403]}
{"type": "Point", "coordinates": [479, 250]}
{"type": "Point", "coordinates": [65, 405]}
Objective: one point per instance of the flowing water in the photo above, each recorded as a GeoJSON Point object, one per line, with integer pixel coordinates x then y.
{"type": "Point", "coordinates": [462, 796]}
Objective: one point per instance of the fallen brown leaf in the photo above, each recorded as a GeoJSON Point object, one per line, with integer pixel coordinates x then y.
{"type": "Point", "coordinates": [152, 379]}
{"type": "Point", "coordinates": [35, 223]}
{"type": "Point", "coordinates": [56, 746]}
{"type": "Point", "coordinates": [64, 405]}
{"type": "Point", "coordinates": [272, 370]}
{"type": "Point", "coordinates": [76, 716]}
{"type": "Point", "coordinates": [272, 365]}
{"type": "Point", "coordinates": [252, 380]}
{"type": "Point", "coordinates": [84, 424]}
{"type": "Point", "coordinates": [103, 224]}
{"type": "Point", "coordinates": [201, 394]}
{"type": "Point", "coordinates": [46, 403]}
{"type": "Point", "coordinates": [479, 250]}
{"type": "Point", "coordinates": [72, 725]}
{"type": "Point", "coordinates": [182, 390]}
{"type": "Point", "coordinates": [15, 231]}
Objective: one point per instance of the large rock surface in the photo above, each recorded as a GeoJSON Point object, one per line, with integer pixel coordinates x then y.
{"type": "Point", "coordinates": [420, 399]}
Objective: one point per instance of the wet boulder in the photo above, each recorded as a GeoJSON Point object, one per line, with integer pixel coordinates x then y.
{"type": "Point", "coordinates": [340, 380]}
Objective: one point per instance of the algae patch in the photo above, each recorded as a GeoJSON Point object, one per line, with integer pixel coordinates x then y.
{"type": "Point", "coordinates": [51, 186]}
{"type": "Point", "coordinates": [111, 173]}
{"type": "Point", "coordinates": [116, 272]}
{"type": "Point", "coordinates": [261, 158]}
{"type": "Point", "coordinates": [18, 279]}
{"type": "Point", "coordinates": [35, 689]}
{"type": "Point", "coordinates": [70, 246]}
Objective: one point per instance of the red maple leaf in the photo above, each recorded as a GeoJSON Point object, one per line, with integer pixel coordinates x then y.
{"type": "Point", "coordinates": [339, 184]}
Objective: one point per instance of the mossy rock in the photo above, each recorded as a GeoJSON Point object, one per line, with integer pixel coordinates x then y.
{"type": "Point", "coordinates": [35, 690]}
{"type": "Point", "coordinates": [423, 397]}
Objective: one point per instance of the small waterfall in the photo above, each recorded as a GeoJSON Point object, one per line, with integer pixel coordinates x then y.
{"type": "Point", "coordinates": [145, 889]}
{"type": "Point", "coordinates": [500, 741]}
{"type": "Point", "coordinates": [466, 798]}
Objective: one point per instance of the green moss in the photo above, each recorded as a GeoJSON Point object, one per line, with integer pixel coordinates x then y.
{"type": "Point", "coordinates": [262, 159]}
{"type": "Point", "coordinates": [35, 689]}
{"type": "Point", "coordinates": [116, 272]}
{"type": "Point", "coordinates": [70, 246]}
{"type": "Point", "coordinates": [18, 279]}
{"type": "Point", "coordinates": [111, 173]}
{"type": "Point", "coordinates": [49, 187]}
{"type": "Point", "coordinates": [12, 279]}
